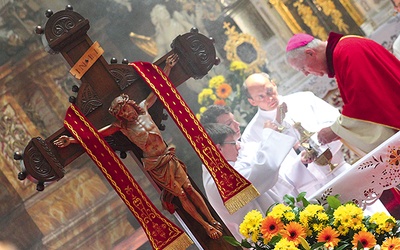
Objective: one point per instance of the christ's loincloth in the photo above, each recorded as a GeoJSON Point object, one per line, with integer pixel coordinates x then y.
{"type": "Point", "coordinates": [167, 171]}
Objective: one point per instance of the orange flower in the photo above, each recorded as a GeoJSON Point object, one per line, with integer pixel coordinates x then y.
{"type": "Point", "coordinates": [367, 239]}
{"type": "Point", "coordinates": [224, 90]}
{"type": "Point", "coordinates": [271, 227]}
{"type": "Point", "coordinates": [220, 102]}
{"type": "Point", "coordinates": [329, 236]}
{"type": "Point", "coordinates": [391, 244]}
{"type": "Point", "coordinates": [293, 232]}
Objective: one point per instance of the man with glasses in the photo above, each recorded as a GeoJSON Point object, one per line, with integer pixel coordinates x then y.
{"type": "Point", "coordinates": [262, 170]}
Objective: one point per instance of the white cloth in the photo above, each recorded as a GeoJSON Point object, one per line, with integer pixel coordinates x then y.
{"type": "Point", "coordinates": [314, 114]}
{"type": "Point", "coordinates": [366, 179]}
{"type": "Point", "coordinates": [259, 163]}
{"type": "Point", "coordinates": [396, 47]}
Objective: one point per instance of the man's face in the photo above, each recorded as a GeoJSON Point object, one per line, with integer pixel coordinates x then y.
{"type": "Point", "coordinates": [229, 119]}
{"type": "Point", "coordinates": [396, 5]}
{"type": "Point", "coordinates": [264, 93]}
{"type": "Point", "coordinates": [230, 148]}
{"type": "Point", "coordinates": [128, 112]}
{"type": "Point", "coordinates": [312, 62]}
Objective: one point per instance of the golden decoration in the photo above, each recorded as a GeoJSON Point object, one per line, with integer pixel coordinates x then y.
{"type": "Point", "coordinates": [329, 9]}
{"type": "Point", "coordinates": [353, 12]}
{"type": "Point", "coordinates": [235, 39]}
{"type": "Point", "coordinates": [284, 12]}
{"type": "Point", "coordinates": [310, 20]}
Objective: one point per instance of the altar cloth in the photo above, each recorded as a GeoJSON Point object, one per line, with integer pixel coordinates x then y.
{"type": "Point", "coordinates": [364, 181]}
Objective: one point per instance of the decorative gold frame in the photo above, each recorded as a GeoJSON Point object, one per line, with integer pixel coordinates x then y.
{"type": "Point", "coordinates": [235, 39]}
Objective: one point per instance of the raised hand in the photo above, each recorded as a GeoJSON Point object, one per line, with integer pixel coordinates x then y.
{"type": "Point", "coordinates": [170, 63]}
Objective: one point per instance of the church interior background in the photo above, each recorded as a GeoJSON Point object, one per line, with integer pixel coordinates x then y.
{"type": "Point", "coordinates": [82, 211]}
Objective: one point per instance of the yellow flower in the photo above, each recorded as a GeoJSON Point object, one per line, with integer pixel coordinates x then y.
{"type": "Point", "coordinates": [367, 239]}
{"type": "Point", "coordinates": [202, 110]}
{"type": "Point", "coordinates": [313, 218]}
{"type": "Point", "coordinates": [329, 236]}
{"type": "Point", "coordinates": [271, 227]}
{"type": "Point", "coordinates": [251, 224]}
{"type": "Point", "coordinates": [237, 66]}
{"type": "Point", "coordinates": [349, 216]}
{"type": "Point", "coordinates": [391, 243]}
{"type": "Point", "coordinates": [279, 211]}
{"type": "Point", "coordinates": [206, 97]}
{"type": "Point", "coordinates": [224, 90]}
{"type": "Point", "coordinates": [285, 244]}
{"type": "Point", "coordinates": [293, 232]}
{"type": "Point", "coordinates": [384, 222]}
{"type": "Point", "coordinates": [216, 81]}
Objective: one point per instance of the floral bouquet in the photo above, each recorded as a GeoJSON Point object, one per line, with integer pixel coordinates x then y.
{"type": "Point", "coordinates": [313, 226]}
{"type": "Point", "coordinates": [226, 91]}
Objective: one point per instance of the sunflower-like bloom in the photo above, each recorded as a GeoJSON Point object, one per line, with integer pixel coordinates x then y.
{"type": "Point", "coordinates": [271, 227]}
{"type": "Point", "coordinates": [250, 227]}
{"type": "Point", "coordinates": [384, 222]}
{"type": "Point", "coordinates": [293, 231]}
{"type": "Point", "coordinates": [329, 236]}
{"type": "Point", "coordinates": [216, 81]}
{"type": "Point", "coordinates": [224, 90]}
{"type": "Point", "coordinates": [391, 243]}
{"type": "Point", "coordinates": [285, 244]}
{"type": "Point", "coordinates": [367, 239]}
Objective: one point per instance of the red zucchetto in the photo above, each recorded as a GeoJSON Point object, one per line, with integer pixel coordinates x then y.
{"type": "Point", "coordinates": [298, 40]}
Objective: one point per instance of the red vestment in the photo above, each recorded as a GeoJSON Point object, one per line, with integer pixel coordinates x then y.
{"type": "Point", "coordinates": [368, 77]}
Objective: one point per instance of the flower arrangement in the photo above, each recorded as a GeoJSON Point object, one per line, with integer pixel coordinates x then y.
{"type": "Point", "coordinates": [313, 226]}
{"type": "Point", "coordinates": [226, 91]}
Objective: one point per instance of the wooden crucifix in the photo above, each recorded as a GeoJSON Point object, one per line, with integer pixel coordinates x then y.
{"type": "Point", "coordinates": [65, 32]}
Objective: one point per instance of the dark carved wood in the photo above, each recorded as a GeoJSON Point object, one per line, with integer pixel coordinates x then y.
{"type": "Point", "coordinates": [65, 33]}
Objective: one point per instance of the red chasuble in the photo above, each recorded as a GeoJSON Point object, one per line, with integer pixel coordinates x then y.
{"type": "Point", "coordinates": [368, 77]}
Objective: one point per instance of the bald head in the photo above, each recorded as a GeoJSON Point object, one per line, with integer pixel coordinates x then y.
{"type": "Point", "coordinates": [261, 91]}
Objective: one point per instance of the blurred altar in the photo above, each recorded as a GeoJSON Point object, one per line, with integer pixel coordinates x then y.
{"type": "Point", "coordinates": [81, 211]}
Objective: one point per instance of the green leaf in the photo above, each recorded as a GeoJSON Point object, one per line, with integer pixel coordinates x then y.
{"type": "Point", "coordinates": [301, 196]}
{"type": "Point", "coordinates": [316, 245]}
{"type": "Point", "coordinates": [342, 247]}
{"type": "Point", "coordinates": [275, 239]}
{"type": "Point", "coordinates": [289, 200]}
{"type": "Point", "coordinates": [231, 240]}
{"type": "Point", "coordinates": [360, 246]}
{"type": "Point", "coordinates": [305, 202]}
{"type": "Point", "coordinates": [333, 202]}
{"type": "Point", "coordinates": [246, 244]}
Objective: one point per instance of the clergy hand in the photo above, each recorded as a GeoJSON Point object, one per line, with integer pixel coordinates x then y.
{"type": "Point", "coordinates": [62, 141]}
{"type": "Point", "coordinates": [326, 135]}
{"type": "Point", "coordinates": [271, 125]}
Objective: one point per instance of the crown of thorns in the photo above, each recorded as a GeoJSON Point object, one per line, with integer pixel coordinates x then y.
{"type": "Point", "coordinates": [118, 103]}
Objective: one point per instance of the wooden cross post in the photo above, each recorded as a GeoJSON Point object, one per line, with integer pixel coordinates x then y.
{"type": "Point", "coordinates": [65, 33]}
